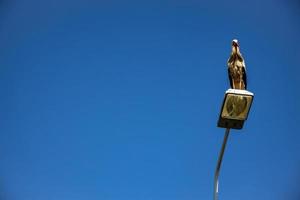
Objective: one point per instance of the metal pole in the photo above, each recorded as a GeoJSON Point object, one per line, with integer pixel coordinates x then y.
{"type": "Point", "coordinates": [217, 172]}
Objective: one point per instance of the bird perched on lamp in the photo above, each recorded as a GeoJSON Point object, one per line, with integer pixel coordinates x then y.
{"type": "Point", "coordinates": [236, 68]}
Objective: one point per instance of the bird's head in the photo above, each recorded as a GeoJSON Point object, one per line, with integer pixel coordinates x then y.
{"type": "Point", "coordinates": [235, 45]}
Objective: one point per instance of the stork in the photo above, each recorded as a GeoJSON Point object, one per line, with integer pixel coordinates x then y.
{"type": "Point", "coordinates": [236, 68]}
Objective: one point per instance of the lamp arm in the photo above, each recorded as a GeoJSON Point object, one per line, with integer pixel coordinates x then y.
{"type": "Point", "coordinates": [217, 172]}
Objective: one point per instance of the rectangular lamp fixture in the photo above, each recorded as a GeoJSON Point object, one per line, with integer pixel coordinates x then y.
{"type": "Point", "coordinates": [235, 108]}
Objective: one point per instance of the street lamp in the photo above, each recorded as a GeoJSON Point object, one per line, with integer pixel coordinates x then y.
{"type": "Point", "coordinates": [236, 104]}
{"type": "Point", "coordinates": [235, 109]}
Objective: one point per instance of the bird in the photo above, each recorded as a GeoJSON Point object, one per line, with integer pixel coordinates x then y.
{"type": "Point", "coordinates": [237, 68]}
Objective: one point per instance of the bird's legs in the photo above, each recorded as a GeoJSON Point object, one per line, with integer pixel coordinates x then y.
{"type": "Point", "coordinates": [242, 84]}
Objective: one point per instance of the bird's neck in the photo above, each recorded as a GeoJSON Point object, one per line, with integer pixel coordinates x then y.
{"type": "Point", "coordinates": [235, 50]}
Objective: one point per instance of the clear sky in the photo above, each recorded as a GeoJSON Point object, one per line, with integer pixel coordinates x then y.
{"type": "Point", "coordinates": [119, 100]}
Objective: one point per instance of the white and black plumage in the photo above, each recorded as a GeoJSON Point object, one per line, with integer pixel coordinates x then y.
{"type": "Point", "coordinates": [236, 68]}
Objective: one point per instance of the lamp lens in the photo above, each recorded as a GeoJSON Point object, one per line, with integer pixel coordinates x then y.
{"type": "Point", "coordinates": [236, 106]}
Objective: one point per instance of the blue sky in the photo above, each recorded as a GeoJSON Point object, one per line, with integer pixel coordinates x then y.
{"type": "Point", "coordinates": [119, 100]}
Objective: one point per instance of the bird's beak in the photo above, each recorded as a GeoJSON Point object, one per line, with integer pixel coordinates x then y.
{"type": "Point", "coordinates": [235, 44]}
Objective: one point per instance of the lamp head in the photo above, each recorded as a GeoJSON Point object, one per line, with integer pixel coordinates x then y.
{"type": "Point", "coordinates": [235, 108]}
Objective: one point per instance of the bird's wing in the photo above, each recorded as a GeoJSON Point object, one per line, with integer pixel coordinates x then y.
{"type": "Point", "coordinates": [241, 60]}
{"type": "Point", "coordinates": [230, 79]}
{"type": "Point", "coordinates": [230, 60]}
{"type": "Point", "coordinates": [244, 77]}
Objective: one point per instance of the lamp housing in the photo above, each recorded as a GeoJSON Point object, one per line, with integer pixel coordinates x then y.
{"type": "Point", "coordinates": [235, 108]}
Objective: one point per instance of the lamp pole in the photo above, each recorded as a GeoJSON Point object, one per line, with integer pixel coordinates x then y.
{"type": "Point", "coordinates": [217, 172]}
